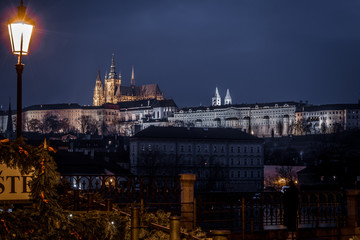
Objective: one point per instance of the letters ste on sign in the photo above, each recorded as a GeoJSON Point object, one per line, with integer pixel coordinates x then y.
{"type": "Point", "coordinates": [13, 185]}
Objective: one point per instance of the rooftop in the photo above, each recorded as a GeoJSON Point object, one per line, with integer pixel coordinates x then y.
{"type": "Point", "coordinates": [196, 133]}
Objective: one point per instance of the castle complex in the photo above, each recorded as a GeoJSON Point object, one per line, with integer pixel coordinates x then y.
{"type": "Point", "coordinates": [124, 110]}
{"type": "Point", "coordinates": [113, 91]}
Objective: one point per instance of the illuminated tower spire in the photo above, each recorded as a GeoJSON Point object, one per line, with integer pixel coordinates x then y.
{"type": "Point", "coordinates": [112, 74]}
{"type": "Point", "coordinates": [98, 98]}
{"type": "Point", "coordinates": [216, 100]}
{"type": "Point", "coordinates": [132, 77]}
{"type": "Point", "coordinates": [227, 100]}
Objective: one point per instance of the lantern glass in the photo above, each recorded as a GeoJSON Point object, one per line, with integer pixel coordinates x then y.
{"type": "Point", "coordinates": [20, 35]}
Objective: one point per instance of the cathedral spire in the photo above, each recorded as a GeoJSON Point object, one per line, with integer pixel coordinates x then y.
{"type": "Point", "coordinates": [113, 63]}
{"type": "Point", "coordinates": [132, 77]}
{"type": "Point", "coordinates": [112, 74]}
{"type": "Point", "coordinates": [98, 97]}
{"type": "Point", "coordinates": [98, 79]}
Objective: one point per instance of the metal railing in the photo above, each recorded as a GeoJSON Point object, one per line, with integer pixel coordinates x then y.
{"type": "Point", "coordinates": [238, 212]}
{"type": "Point", "coordinates": [249, 212]}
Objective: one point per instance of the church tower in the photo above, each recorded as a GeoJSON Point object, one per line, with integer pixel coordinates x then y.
{"type": "Point", "coordinates": [132, 78]}
{"type": "Point", "coordinates": [227, 100]}
{"type": "Point", "coordinates": [98, 98]}
{"type": "Point", "coordinates": [112, 83]}
{"type": "Point", "coordinates": [216, 100]}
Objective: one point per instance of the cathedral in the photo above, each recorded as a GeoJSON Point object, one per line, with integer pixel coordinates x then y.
{"type": "Point", "coordinates": [113, 91]}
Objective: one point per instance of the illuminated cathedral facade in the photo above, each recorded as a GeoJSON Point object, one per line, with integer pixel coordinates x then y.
{"type": "Point", "coordinates": [112, 91]}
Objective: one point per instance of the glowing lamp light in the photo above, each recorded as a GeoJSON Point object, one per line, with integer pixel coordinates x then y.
{"type": "Point", "coordinates": [20, 34]}
{"type": "Point", "coordinates": [20, 30]}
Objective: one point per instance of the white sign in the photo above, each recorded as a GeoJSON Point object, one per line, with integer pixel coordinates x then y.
{"type": "Point", "coordinates": [13, 185]}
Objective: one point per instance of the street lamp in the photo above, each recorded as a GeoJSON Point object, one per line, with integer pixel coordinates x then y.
{"type": "Point", "coordinates": [20, 30]}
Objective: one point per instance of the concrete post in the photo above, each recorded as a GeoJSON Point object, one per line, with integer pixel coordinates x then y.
{"type": "Point", "coordinates": [76, 200]}
{"type": "Point", "coordinates": [175, 228]}
{"type": "Point", "coordinates": [220, 234]}
{"type": "Point", "coordinates": [90, 201]}
{"type": "Point", "coordinates": [135, 223]}
{"type": "Point", "coordinates": [109, 205]}
{"type": "Point", "coordinates": [352, 197]}
{"type": "Point", "coordinates": [187, 200]}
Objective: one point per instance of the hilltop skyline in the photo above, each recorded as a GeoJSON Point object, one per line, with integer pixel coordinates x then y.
{"type": "Point", "coordinates": [263, 51]}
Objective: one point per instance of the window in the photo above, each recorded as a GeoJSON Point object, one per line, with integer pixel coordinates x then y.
{"type": "Point", "coordinates": [232, 149]}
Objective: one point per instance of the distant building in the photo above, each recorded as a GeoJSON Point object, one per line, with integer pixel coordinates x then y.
{"type": "Point", "coordinates": [262, 120]}
{"type": "Point", "coordinates": [327, 118]}
{"type": "Point", "coordinates": [113, 91]}
{"type": "Point", "coordinates": [223, 159]}
{"type": "Point", "coordinates": [121, 118]}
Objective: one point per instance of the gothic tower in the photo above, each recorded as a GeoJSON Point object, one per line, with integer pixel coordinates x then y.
{"type": "Point", "coordinates": [98, 98]}
{"type": "Point", "coordinates": [112, 83]}
{"type": "Point", "coordinates": [216, 100]}
{"type": "Point", "coordinates": [9, 126]}
{"type": "Point", "coordinates": [227, 100]}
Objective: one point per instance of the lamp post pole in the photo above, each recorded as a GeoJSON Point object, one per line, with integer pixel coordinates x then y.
{"type": "Point", "coordinates": [20, 30]}
{"type": "Point", "coordinates": [19, 70]}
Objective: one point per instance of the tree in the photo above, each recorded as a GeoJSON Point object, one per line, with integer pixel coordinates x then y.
{"type": "Point", "coordinates": [50, 123]}
{"type": "Point", "coordinates": [280, 127]}
{"type": "Point", "coordinates": [88, 124]}
{"type": "Point", "coordinates": [323, 128]}
{"type": "Point", "coordinates": [287, 173]}
{"type": "Point", "coordinates": [34, 125]}
{"type": "Point", "coordinates": [282, 177]}
{"type": "Point", "coordinates": [299, 127]}
{"type": "Point", "coordinates": [64, 125]}
{"type": "Point", "coordinates": [336, 128]}
{"type": "Point", "coordinates": [291, 128]}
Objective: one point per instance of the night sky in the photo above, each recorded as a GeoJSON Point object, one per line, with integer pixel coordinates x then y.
{"type": "Point", "coordinates": [263, 51]}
